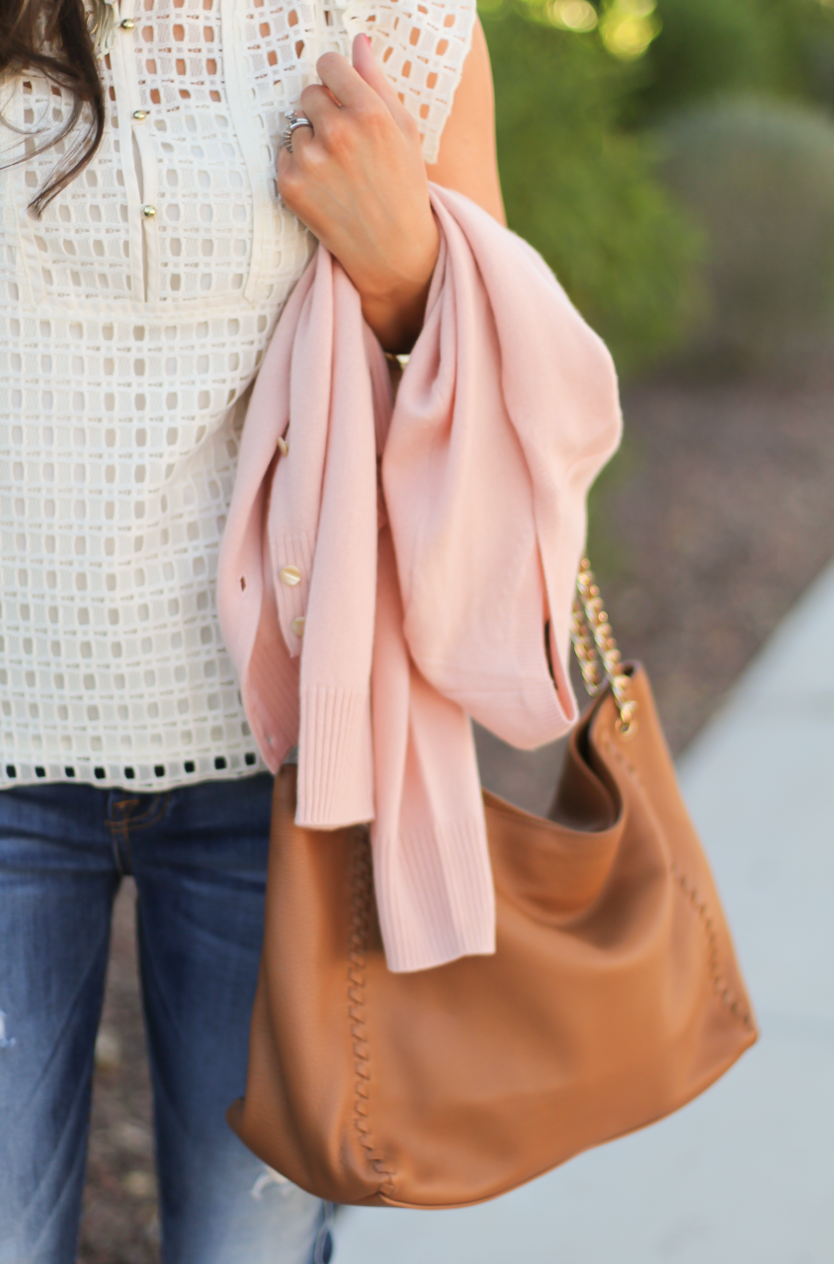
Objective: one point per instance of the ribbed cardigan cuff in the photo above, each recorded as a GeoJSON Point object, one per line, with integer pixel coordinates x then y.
{"type": "Point", "coordinates": [435, 894]}
{"type": "Point", "coordinates": [335, 758]}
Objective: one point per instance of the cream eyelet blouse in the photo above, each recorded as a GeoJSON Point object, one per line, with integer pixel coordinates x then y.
{"type": "Point", "coordinates": [133, 318]}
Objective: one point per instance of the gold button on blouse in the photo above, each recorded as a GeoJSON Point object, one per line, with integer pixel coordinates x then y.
{"type": "Point", "coordinates": [290, 575]}
{"type": "Point", "coordinates": [127, 24]}
{"type": "Point", "coordinates": [149, 211]}
{"type": "Point", "coordinates": [140, 115]}
{"type": "Point", "coordinates": [297, 625]}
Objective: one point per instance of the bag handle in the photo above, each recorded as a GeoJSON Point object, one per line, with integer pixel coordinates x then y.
{"type": "Point", "coordinates": [596, 649]}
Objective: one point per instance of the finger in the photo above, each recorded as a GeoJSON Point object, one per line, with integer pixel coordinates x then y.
{"type": "Point", "coordinates": [317, 105]}
{"type": "Point", "coordinates": [315, 101]}
{"type": "Point", "coordinates": [346, 85]}
{"type": "Point", "coordinates": [369, 69]}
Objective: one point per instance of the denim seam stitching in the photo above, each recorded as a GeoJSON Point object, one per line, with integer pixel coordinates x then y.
{"type": "Point", "coordinates": [151, 817]}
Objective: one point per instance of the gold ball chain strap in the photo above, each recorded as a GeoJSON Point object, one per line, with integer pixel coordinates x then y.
{"type": "Point", "coordinates": [596, 650]}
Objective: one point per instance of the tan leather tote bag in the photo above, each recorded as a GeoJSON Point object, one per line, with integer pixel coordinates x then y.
{"type": "Point", "coordinates": [614, 996]}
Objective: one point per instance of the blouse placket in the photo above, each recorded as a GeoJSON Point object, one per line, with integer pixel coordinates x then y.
{"type": "Point", "coordinates": [138, 161]}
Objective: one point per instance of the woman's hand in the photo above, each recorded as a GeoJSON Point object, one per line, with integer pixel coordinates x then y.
{"type": "Point", "coordinates": [358, 182]}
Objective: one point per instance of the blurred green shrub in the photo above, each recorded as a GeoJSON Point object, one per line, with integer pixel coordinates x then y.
{"type": "Point", "coordinates": [583, 191]}
{"type": "Point", "coordinates": [726, 248]}
{"type": "Point", "coordinates": [758, 176]}
{"type": "Point", "coordinates": [709, 48]}
{"type": "Point", "coordinates": [706, 47]}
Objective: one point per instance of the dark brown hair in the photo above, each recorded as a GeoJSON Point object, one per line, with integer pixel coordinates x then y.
{"type": "Point", "coordinates": [50, 38]}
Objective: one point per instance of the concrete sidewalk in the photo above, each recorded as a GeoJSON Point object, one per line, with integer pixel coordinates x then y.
{"type": "Point", "coordinates": [744, 1175]}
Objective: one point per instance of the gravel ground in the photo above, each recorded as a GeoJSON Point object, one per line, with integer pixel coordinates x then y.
{"type": "Point", "coordinates": [714, 519]}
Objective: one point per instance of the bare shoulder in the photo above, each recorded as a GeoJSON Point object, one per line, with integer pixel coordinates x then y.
{"type": "Point", "coordinates": [467, 160]}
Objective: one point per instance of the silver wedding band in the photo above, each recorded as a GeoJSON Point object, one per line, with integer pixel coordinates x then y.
{"type": "Point", "coordinates": [293, 121]}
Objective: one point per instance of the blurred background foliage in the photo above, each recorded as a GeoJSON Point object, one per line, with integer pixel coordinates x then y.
{"type": "Point", "coordinates": [672, 160]}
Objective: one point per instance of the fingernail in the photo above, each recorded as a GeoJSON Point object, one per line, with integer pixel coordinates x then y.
{"type": "Point", "coordinates": [367, 40]}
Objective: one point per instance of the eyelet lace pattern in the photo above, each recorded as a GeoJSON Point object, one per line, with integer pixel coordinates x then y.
{"type": "Point", "coordinates": [133, 317]}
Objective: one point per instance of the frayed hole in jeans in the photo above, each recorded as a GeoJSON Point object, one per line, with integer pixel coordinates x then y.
{"type": "Point", "coordinates": [6, 1041]}
{"type": "Point", "coordinates": [269, 1177]}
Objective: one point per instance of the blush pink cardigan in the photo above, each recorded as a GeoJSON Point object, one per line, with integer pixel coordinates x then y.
{"type": "Point", "coordinates": [427, 572]}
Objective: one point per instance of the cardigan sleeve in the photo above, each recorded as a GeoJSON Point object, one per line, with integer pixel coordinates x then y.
{"type": "Point", "coordinates": [422, 44]}
{"type": "Point", "coordinates": [506, 411]}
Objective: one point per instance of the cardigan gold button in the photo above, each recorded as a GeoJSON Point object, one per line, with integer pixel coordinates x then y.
{"type": "Point", "coordinates": [149, 211]}
{"type": "Point", "coordinates": [127, 24]}
{"type": "Point", "coordinates": [283, 446]}
{"type": "Point", "coordinates": [140, 115]}
{"type": "Point", "coordinates": [297, 625]}
{"type": "Point", "coordinates": [290, 575]}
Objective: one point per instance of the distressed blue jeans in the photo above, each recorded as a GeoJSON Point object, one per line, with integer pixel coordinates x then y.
{"type": "Point", "coordinates": [198, 856]}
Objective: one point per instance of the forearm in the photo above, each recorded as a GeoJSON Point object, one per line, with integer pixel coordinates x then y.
{"type": "Point", "coordinates": [467, 163]}
{"type": "Point", "coordinates": [396, 315]}
{"type": "Point", "coordinates": [357, 179]}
